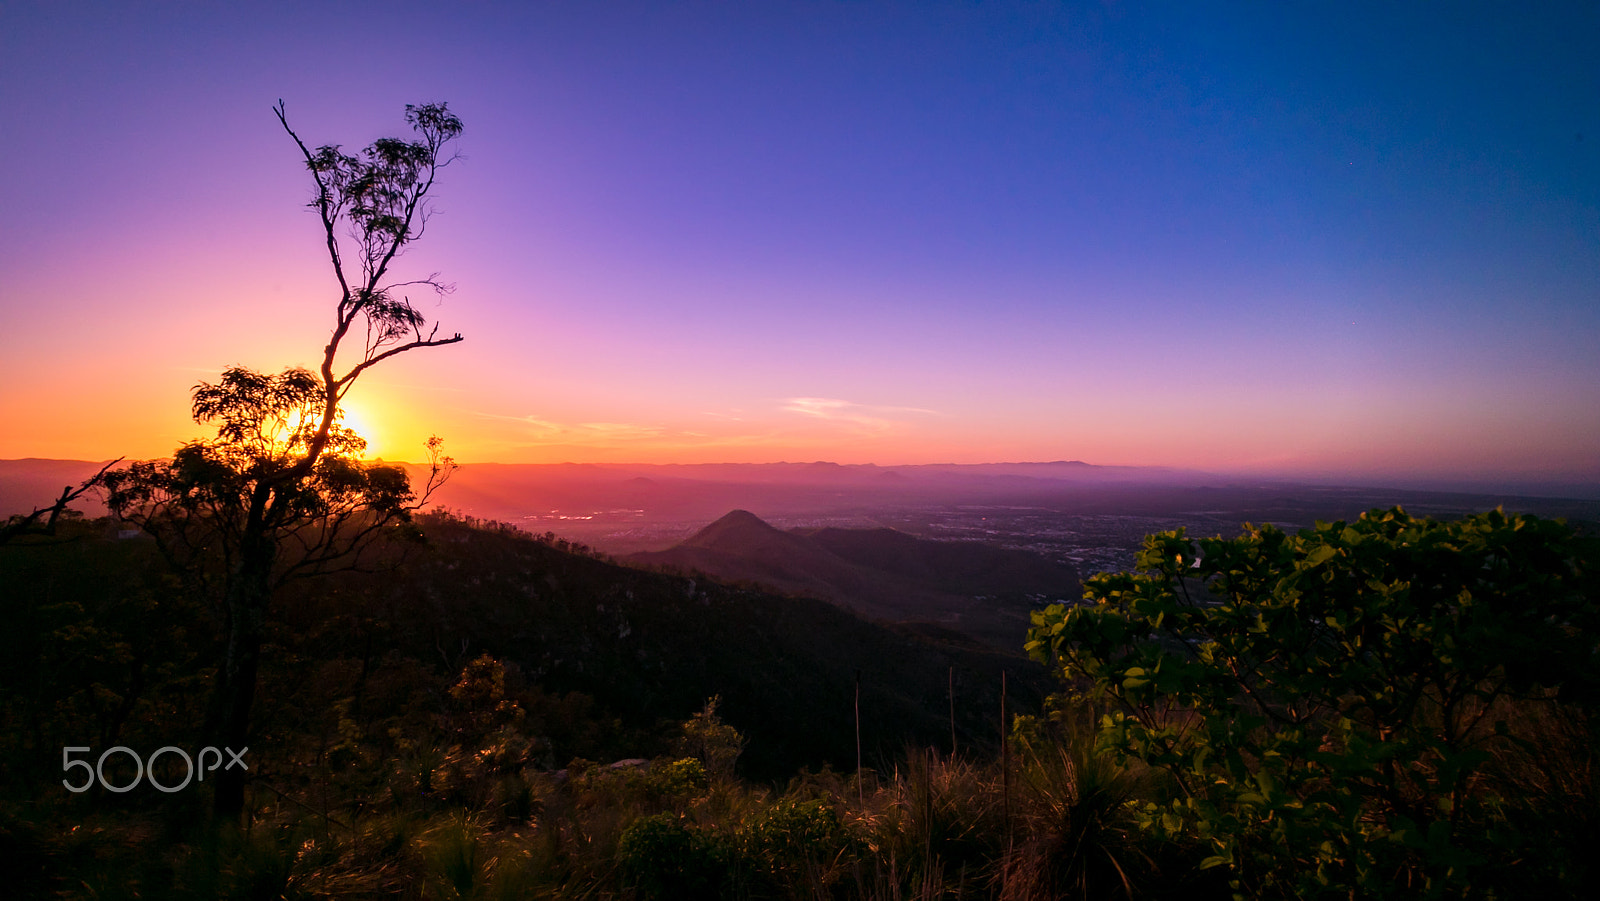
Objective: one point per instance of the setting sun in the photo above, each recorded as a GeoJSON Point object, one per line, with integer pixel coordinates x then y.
{"type": "Point", "coordinates": [358, 419]}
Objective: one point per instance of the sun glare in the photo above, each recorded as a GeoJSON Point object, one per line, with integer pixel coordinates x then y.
{"type": "Point", "coordinates": [361, 422]}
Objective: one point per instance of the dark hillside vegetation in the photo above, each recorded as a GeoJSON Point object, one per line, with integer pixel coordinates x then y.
{"type": "Point", "coordinates": [479, 655]}
{"type": "Point", "coordinates": [101, 646]}
{"type": "Point", "coordinates": [99, 633]}
{"type": "Point", "coordinates": [650, 646]}
{"type": "Point", "coordinates": [443, 728]}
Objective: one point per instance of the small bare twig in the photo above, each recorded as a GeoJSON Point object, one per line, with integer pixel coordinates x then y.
{"type": "Point", "coordinates": [18, 526]}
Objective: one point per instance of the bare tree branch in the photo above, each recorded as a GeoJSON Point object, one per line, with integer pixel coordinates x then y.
{"type": "Point", "coordinates": [18, 526]}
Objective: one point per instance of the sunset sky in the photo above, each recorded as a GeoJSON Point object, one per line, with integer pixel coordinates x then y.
{"type": "Point", "coordinates": [1340, 240]}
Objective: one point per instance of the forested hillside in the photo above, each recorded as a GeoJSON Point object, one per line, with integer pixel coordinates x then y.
{"type": "Point", "coordinates": [102, 637]}
{"type": "Point", "coordinates": [445, 726]}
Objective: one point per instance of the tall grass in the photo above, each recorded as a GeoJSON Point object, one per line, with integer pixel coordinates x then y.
{"type": "Point", "coordinates": [441, 821]}
{"type": "Point", "coordinates": [1076, 839]}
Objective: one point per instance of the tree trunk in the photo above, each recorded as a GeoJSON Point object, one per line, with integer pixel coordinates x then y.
{"type": "Point", "coordinates": [249, 589]}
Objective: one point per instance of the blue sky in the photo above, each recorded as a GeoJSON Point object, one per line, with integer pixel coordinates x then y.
{"type": "Point", "coordinates": [1347, 240]}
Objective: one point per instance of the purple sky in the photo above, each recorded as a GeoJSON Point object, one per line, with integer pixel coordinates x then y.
{"type": "Point", "coordinates": [1360, 240]}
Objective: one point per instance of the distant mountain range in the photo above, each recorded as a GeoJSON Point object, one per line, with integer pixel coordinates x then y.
{"type": "Point", "coordinates": [514, 492]}
{"type": "Point", "coordinates": [977, 590]}
{"type": "Point", "coordinates": [628, 508]}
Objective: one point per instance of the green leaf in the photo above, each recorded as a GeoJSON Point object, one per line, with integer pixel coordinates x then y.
{"type": "Point", "coordinates": [1321, 555]}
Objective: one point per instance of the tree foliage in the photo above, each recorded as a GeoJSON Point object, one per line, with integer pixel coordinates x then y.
{"type": "Point", "coordinates": [372, 206]}
{"type": "Point", "coordinates": [1334, 704]}
{"type": "Point", "coordinates": [199, 505]}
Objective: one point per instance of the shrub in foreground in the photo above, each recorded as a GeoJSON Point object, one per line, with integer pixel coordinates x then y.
{"type": "Point", "coordinates": [1334, 705]}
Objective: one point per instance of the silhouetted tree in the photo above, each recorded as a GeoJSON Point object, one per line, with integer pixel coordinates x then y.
{"type": "Point", "coordinates": [280, 492]}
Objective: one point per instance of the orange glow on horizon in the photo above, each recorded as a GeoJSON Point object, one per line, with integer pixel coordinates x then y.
{"type": "Point", "coordinates": [144, 416]}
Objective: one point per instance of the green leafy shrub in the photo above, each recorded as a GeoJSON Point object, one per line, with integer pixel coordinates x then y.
{"type": "Point", "coordinates": [1328, 703]}
{"type": "Point", "coordinates": [663, 857]}
{"type": "Point", "coordinates": [677, 782]}
{"type": "Point", "coordinates": [707, 738]}
{"type": "Point", "coordinates": [799, 843]}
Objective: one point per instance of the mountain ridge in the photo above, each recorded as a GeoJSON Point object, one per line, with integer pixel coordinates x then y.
{"type": "Point", "coordinates": [982, 592]}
